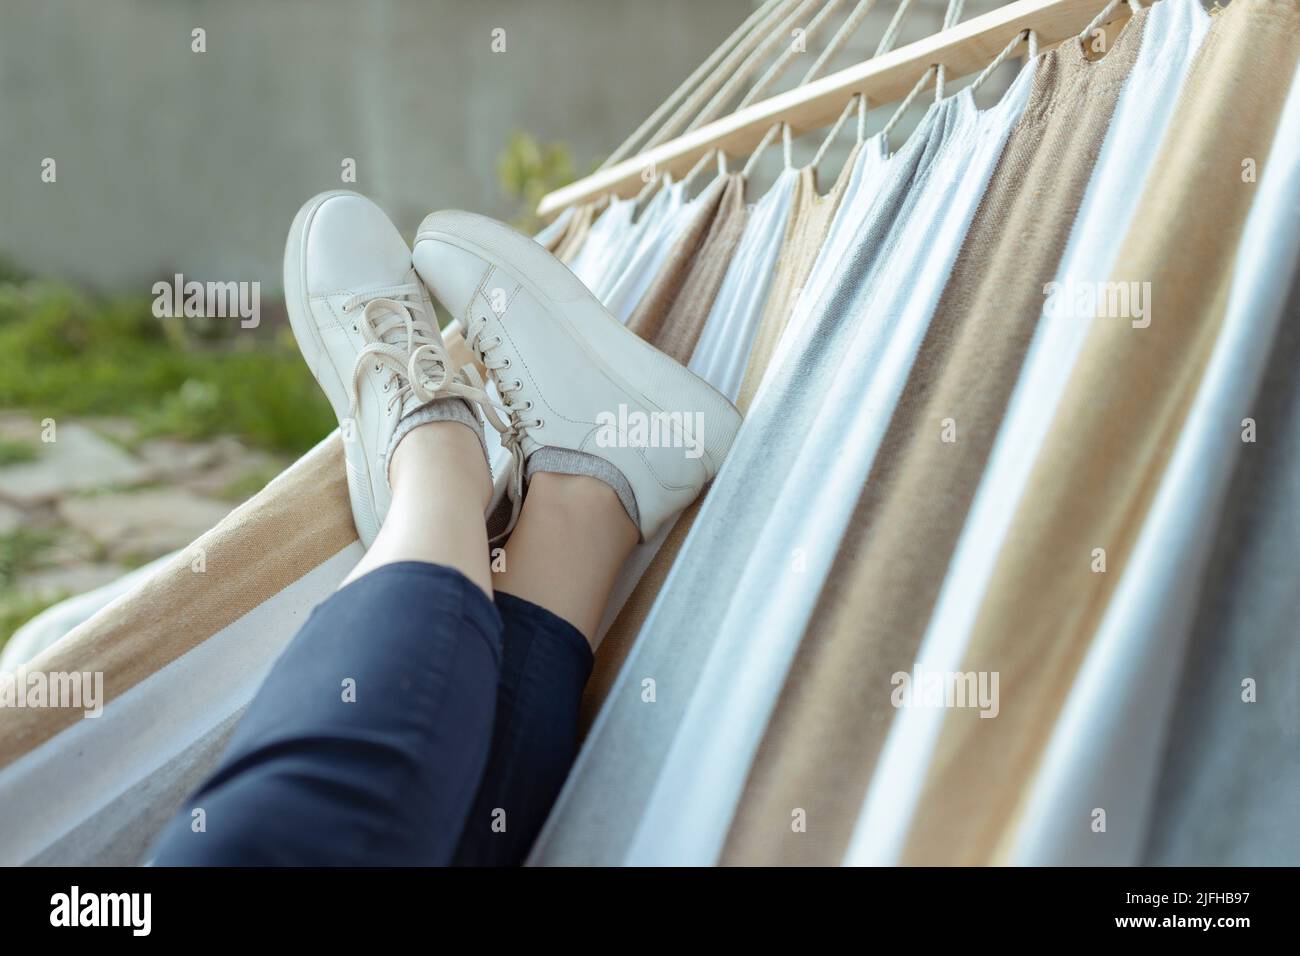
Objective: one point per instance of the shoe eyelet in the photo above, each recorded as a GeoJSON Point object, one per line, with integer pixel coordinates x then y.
{"type": "Point", "coordinates": [507, 363]}
{"type": "Point", "coordinates": [378, 367]}
{"type": "Point", "coordinates": [518, 385]}
{"type": "Point", "coordinates": [540, 423]}
{"type": "Point", "coordinates": [354, 327]}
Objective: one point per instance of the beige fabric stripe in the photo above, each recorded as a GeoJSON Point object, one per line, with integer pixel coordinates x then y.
{"type": "Point", "coordinates": [650, 314]}
{"type": "Point", "coordinates": [298, 521]}
{"type": "Point", "coordinates": [681, 328]}
{"type": "Point", "coordinates": [825, 735]}
{"type": "Point", "coordinates": [673, 311]}
{"type": "Point", "coordinates": [810, 221]}
{"type": "Point", "coordinates": [1119, 418]}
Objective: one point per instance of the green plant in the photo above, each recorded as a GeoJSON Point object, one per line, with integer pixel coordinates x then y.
{"type": "Point", "coordinates": [527, 170]}
{"type": "Point", "coordinates": [65, 352]}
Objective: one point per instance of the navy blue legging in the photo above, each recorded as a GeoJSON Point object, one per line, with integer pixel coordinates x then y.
{"type": "Point", "coordinates": [411, 721]}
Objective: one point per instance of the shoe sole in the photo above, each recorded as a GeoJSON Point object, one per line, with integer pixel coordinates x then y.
{"type": "Point", "coordinates": [360, 487]}
{"type": "Point", "coordinates": [547, 279]}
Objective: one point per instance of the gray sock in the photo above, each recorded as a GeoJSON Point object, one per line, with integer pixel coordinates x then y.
{"type": "Point", "coordinates": [440, 410]}
{"type": "Point", "coordinates": [562, 461]}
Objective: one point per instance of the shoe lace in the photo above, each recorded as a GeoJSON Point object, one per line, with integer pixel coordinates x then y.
{"type": "Point", "coordinates": [401, 336]}
{"type": "Point", "coordinates": [518, 420]}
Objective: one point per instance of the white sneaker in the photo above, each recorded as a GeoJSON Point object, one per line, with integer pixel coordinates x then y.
{"type": "Point", "coordinates": [369, 333]}
{"type": "Point", "coordinates": [570, 375]}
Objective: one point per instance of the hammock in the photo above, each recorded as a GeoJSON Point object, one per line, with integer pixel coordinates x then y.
{"type": "Point", "coordinates": [184, 650]}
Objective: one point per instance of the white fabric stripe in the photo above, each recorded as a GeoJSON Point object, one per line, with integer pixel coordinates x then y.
{"type": "Point", "coordinates": [123, 832]}
{"type": "Point", "coordinates": [550, 231]}
{"type": "Point", "coordinates": [653, 245]}
{"type": "Point", "coordinates": [602, 242]}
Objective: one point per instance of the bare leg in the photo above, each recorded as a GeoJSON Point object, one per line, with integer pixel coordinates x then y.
{"type": "Point", "coordinates": [441, 485]}
{"type": "Point", "coordinates": [572, 537]}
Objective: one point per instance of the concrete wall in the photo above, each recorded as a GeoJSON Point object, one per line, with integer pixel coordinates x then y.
{"type": "Point", "coordinates": [170, 160]}
{"type": "Point", "coordinates": [173, 160]}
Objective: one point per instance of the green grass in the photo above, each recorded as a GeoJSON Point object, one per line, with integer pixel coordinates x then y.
{"type": "Point", "coordinates": [21, 551]}
{"type": "Point", "coordinates": [63, 352]}
{"type": "Point", "coordinates": [14, 452]}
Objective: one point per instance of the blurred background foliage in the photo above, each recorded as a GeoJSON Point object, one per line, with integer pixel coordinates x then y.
{"type": "Point", "coordinates": [527, 170]}
{"type": "Point", "coordinates": [64, 351]}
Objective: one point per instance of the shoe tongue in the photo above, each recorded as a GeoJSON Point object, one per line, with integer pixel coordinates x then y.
{"type": "Point", "coordinates": [411, 401]}
{"type": "Point", "coordinates": [396, 332]}
{"type": "Point", "coordinates": [395, 327]}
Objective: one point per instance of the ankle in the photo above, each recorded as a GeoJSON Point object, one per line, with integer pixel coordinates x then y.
{"type": "Point", "coordinates": [571, 490]}
{"type": "Point", "coordinates": [441, 455]}
{"type": "Point", "coordinates": [570, 462]}
{"type": "Point", "coordinates": [578, 499]}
